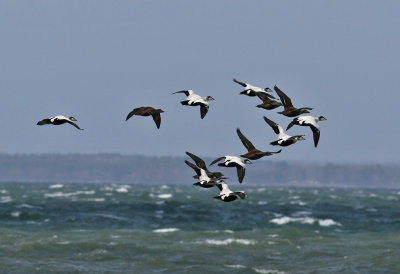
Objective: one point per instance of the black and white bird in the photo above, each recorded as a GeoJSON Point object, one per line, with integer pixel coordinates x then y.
{"type": "Point", "coordinates": [194, 99]}
{"type": "Point", "coordinates": [283, 138]}
{"type": "Point", "coordinates": [201, 164]}
{"type": "Point", "coordinates": [234, 161]}
{"type": "Point", "coordinates": [252, 91]}
{"type": "Point", "coordinates": [252, 152]}
{"type": "Point", "coordinates": [205, 181]}
{"type": "Point", "coordinates": [58, 120]}
{"type": "Point", "coordinates": [309, 121]}
{"type": "Point", "coordinates": [227, 195]}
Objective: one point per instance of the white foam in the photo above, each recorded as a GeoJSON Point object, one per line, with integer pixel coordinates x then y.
{"type": "Point", "coordinates": [6, 199]}
{"type": "Point", "coordinates": [304, 220]}
{"type": "Point", "coordinates": [262, 202]}
{"type": "Point", "coordinates": [69, 194]}
{"type": "Point", "coordinates": [230, 241]}
{"type": "Point", "coordinates": [165, 196]}
{"type": "Point", "coordinates": [268, 271]}
{"type": "Point", "coordinates": [237, 266]}
{"type": "Point", "coordinates": [25, 206]}
{"type": "Point", "coordinates": [56, 186]}
{"type": "Point", "coordinates": [3, 191]}
{"type": "Point", "coordinates": [122, 190]}
{"type": "Point", "coordinates": [328, 222]}
{"type": "Point", "coordinates": [165, 230]}
{"type": "Point", "coordinates": [15, 214]}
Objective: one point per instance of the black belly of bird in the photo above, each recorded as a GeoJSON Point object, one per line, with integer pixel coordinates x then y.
{"type": "Point", "coordinates": [230, 198]}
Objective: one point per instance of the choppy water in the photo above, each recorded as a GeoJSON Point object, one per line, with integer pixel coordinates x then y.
{"type": "Point", "coordinates": [89, 228]}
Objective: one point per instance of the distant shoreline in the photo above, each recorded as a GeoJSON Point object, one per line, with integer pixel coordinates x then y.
{"type": "Point", "coordinates": [139, 169]}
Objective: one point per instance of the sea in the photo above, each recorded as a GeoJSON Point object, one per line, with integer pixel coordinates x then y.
{"type": "Point", "coordinates": [121, 228]}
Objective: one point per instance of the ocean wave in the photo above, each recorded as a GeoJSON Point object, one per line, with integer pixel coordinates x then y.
{"type": "Point", "coordinates": [166, 230]}
{"type": "Point", "coordinates": [6, 199]}
{"type": "Point", "coordinates": [229, 241]}
{"type": "Point", "coordinates": [268, 271]}
{"type": "Point", "coordinates": [237, 266]}
{"type": "Point", "coordinates": [69, 194]}
{"type": "Point", "coordinates": [165, 196]}
{"type": "Point", "coordinates": [304, 220]}
{"type": "Point", "coordinates": [56, 186]}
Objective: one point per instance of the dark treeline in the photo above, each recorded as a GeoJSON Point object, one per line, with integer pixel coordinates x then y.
{"type": "Point", "coordinates": [172, 170]}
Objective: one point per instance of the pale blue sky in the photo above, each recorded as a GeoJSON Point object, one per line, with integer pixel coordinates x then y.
{"type": "Point", "coordinates": [97, 60]}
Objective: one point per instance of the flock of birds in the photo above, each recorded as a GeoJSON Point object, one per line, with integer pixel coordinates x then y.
{"type": "Point", "coordinates": [207, 178]}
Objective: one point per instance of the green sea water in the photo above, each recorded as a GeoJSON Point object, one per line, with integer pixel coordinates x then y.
{"type": "Point", "coordinates": [112, 228]}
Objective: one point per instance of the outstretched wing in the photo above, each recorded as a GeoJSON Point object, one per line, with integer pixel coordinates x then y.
{"type": "Point", "coordinates": [240, 83]}
{"type": "Point", "coordinates": [199, 162]}
{"type": "Point", "coordinates": [130, 114]}
{"type": "Point", "coordinates": [75, 125]}
{"type": "Point", "coordinates": [248, 145]}
{"type": "Point", "coordinates": [292, 123]}
{"type": "Point", "coordinates": [241, 194]}
{"type": "Point", "coordinates": [272, 124]}
{"type": "Point", "coordinates": [203, 110]}
{"type": "Point", "coordinates": [240, 172]}
{"type": "Point", "coordinates": [217, 160]}
{"type": "Point", "coordinates": [264, 96]}
{"type": "Point", "coordinates": [186, 92]}
{"type": "Point", "coordinates": [284, 98]}
{"type": "Point", "coordinates": [316, 134]}
{"type": "Point", "coordinates": [44, 122]}
{"type": "Point", "coordinates": [157, 119]}
{"type": "Point", "coordinates": [194, 167]}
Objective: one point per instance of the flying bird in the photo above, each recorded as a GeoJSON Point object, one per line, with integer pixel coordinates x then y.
{"type": "Point", "coordinates": [252, 91]}
{"type": "Point", "coordinates": [58, 120]}
{"type": "Point", "coordinates": [267, 102]}
{"type": "Point", "coordinates": [311, 122]}
{"type": "Point", "coordinates": [289, 109]}
{"type": "Point", "coordinates": [201, 164]}
{"type": "Point", "coordinates": [227, 195]}
{"type": "Point", "coordinates": [147, 111]}
{"type": "Point", "coordinates": [204, 180]}
{"type": "Point", "coordinates": [252, 152]}
{"type": "Point", "coordinates": [233, 161]}
{"type": "Point", "coordinates": [283, 138]}
{"type": "Point", "coordinates": [194, 99]}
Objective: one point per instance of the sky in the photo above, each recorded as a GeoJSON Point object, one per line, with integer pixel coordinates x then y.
{"type": "Point", "coordinates": [97, 60]}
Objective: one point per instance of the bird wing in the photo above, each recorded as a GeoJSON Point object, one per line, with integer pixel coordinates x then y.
{"type": "Point", "coordinates": [199, 162]}
{"type": "Point", "coordinates": [241, 194]}
{"type": "Point", "coordinates": [272, 124]}
{"type": "Point", "coordinates": [264, 96]}
{"type": "Point", "coordinates": [186, 92]}
{"type": "Point", "coordinates": [157, 118]}
{"type": "Point", "coordinates": [292, 123]}
{"type": "Point", "coordinates": [195, 168]}
{"type": "Point", "coordinates": [316, 134]}
{"type": "Point", "coordinates": [203, 110]}
{"type": "Point", "coordinates": [284, 98]}
{"type": "Point", "coordinates": [75, 125]}
{"type": "Point", "coordinates": [240, 172]}
{"type": "Point", "coordinates": [44, 122]}
{"type": "Point", "coordinates": [133, 112]}
{"type": "Point", "coordinates": [248, 145]}
{"type": "Point", "coordinates": [240, 83]}
{"type": "Point", "coordinates": [217, 160]}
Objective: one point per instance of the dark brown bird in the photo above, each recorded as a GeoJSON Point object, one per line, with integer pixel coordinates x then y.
{"type": "Point", "coordinates": [253, 153]}
{"type": "Point", "coordinates": [147, 111]}
{"type": "Point", "coordinates": [290, 110]}
{"type": "Point", "coordinates": [267, 103]}
{"type": "Point", "coordinates": [201, 164]}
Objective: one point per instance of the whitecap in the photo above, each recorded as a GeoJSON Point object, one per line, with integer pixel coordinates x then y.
{"type": "Point", "coordinates": [328, 222]}
{"type": "Point", "coordinates": [238, 266]}
{"type": "Point", "coordinates": [165, 196]}
{"type": "Point", "coordinates": [268, 271]}
{"type": "Point", "coordinates": [16, 214]}
{"type": "Point", "coordinates": [165, 230]}
{"type": "Point", "coordinates": [6, 199]}
{"type": "Point", "coordinates": [25, 206]}
{"type": "Point", "coordinates": [230, 241]}
{"type": "Point", "coordinates": [122, 190]}
{"type": "Point", "coordinates": [56, 186]}
{"type": "Point", "coordinates": [3, 191]}
{"type": "Point", "coordinates": [99, 200]}
{"type": "Point", "coordinates": [262, 202]}
{"type": "Point", "coordinates": [164, 187]}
